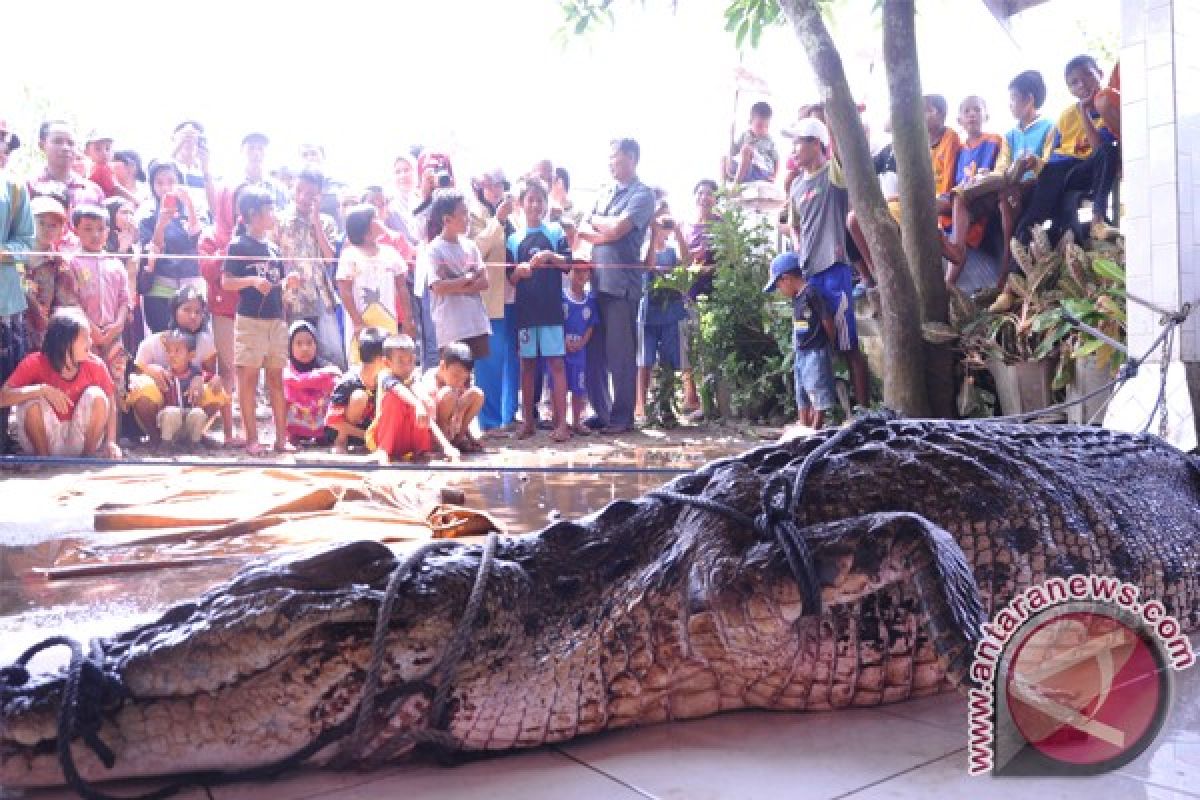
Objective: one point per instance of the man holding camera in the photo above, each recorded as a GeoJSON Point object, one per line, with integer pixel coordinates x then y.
{"type": "Point", "coordinates": [616, 229]}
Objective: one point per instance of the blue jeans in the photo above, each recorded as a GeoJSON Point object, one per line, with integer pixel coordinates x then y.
{"type": "Point", "coordinates": [499, 375]}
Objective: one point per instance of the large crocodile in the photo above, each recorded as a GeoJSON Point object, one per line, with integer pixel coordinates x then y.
{"type": "Point", "coordinates": [906, 533]}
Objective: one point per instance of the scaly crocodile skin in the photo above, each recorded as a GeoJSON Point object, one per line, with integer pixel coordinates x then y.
{"type": "Point", "coordinates": [649, 611]}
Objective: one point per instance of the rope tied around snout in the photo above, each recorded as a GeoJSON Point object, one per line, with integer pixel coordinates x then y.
{"type": "Point", "coordinates": [91, 692]}
{"type": "Point", "coordinates": [781, 496]}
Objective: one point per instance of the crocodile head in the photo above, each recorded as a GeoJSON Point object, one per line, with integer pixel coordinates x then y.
{"type": "Point", "coordinates": [264, 669]}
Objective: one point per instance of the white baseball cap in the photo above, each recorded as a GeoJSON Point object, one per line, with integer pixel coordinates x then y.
{"type": "Point", "coordinates": [809, 128]}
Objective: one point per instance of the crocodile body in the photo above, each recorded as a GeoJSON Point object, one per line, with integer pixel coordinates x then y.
{"type": "Point", "coordinates": [646, 611]}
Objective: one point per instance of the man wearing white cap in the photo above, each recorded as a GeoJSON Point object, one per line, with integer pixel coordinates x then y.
{"type": "Point", "coordinates": [817, 207]}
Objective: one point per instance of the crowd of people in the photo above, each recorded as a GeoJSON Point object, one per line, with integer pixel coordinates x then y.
{"type": "Point", "coordinates": [142, 302]}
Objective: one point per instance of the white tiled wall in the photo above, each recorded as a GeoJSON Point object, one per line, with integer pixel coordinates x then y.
{"type": "Point", "coordinates": [1160, 88]}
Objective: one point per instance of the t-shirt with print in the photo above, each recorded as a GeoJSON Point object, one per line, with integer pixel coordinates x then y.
{"type": "Point", "coordinates": [373, 278]}
{"type": "Point", "coordinates": [808, 315]}
{"type": "Point", "coordinates": [1033, 140]}
{"type": "Point", "coordinates": [765, 158]}
{"type": "Point", "coordinates": [250, 257]}
{"type": "Point", "coordinates": [1071, 142]}
{"type": "Point", "coordinates": [455, 316]}
{"type": "Point", "coordinates": [579, 317]}
{"type": "Point", "coordinates": [818, 205]}
{"type": "Point", "coordinates": [537, 296]}
{"type": "Point", "coordinates": [35, 369]}
{"type": "Point", "coordinates": [699, 236]}
{"type": "Point", "coordinates": [977, 157]}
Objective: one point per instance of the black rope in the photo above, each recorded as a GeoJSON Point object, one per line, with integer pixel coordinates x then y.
{"type": "Point", "coordinates": [89, 692]}
{"type": "Point", "coordinates": [781, 499]}
{"type": "Point", "coordinates": [441, 673]}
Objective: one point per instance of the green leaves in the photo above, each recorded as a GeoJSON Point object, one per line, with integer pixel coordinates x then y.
{"type": "Point", "coordinates": [747, 19]}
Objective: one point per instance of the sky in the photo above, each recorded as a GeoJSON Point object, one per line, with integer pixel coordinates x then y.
{"type": "Point", "coordinates": [491, 82]}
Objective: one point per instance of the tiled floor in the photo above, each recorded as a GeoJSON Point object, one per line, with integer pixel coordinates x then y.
{"type": "Point", "coordinates": [909, 750]}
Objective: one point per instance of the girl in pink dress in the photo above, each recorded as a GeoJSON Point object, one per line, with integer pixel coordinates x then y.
{"type": "Point", "coordinates": [307, 385]}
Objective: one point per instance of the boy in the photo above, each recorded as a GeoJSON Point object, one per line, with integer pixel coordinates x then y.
{"type": "Point", "coordinates": [103, 288]}
{"type": "Point", "coordinates": [49, 223]}
{"type": "Point", "coordinates": [352, 404]}
{"type": "Point", "coordinates": [456, 402]}
{"type": "Point", "coordinates": [976, 157]}
{"type": "Point", "coordinates": [402, 427]}
{"type": "Point", "coordinates": [813, 330]}
{"type": "Point", "coordinates": [539, 255]}
{"type": "Point", "coordinates": [99, 150]}
{"type": "Point", "coordinates": [580, 314]}
{"type": "Point", "coordinates": [944, 145]}
{"type": "Point", "coordinates": [1085, 156]}
{"type": "Point", "coordinates": [753, 157]}
{"type": "Point", "coordinates": [1024, 152]}
{"type": "Point", "coordinates": [182, 414]}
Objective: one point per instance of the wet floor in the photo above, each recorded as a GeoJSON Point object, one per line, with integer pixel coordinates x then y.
{"type": "Point", "coordinates": [48, 516]}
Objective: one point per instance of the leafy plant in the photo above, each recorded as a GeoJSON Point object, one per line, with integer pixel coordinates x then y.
{"type": "Point", "coordinates": [745, 335]}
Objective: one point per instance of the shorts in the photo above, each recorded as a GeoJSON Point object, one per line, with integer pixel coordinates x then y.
{"type": "Point", "coordinates": [576, 364]}
{"type": "Point", "coordinates": [836, 286]}
{"type": "Point", "coordinates": [478, 345]}
{"type": "Point", "coordinates": [541, 340]}
{"type": "Point", "coordinates": [659, 344]}
{"type": "Point", "coordinates": [395, 429]}
{"type": "Point", "coordinates": [814, 379]}
{"type": "Point", "coordinates": [259, 342]}
{"type": "Point", "coordinates": [64, 437]}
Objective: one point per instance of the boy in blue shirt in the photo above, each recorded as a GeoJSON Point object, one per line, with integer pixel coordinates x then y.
{"type": "Point", "coordinates": [813, 326]}
{"type": "Point", "coordinates": [538, 256]}
{"type": "Point", "coordinates": [660, 311]}
{"type": "Point", "coordinates": [580, 315]}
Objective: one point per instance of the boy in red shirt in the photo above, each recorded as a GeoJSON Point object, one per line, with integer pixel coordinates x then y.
{"type": "Point", "coordinates": [98, 149]}
{"type": "Point", "coordinates": [404, 425]}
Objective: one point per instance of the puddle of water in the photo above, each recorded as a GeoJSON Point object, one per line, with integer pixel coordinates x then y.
{"type": "Point", "coordinates": [54, 515]}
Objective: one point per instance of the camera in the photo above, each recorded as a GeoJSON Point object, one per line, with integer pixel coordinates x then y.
{"type": "Point", "coordinates": [443, 179]}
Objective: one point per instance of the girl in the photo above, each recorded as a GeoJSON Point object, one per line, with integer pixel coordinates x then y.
{"type": "Point", "coordinates": [307, 384]}
{"type": "Point", "coordinates": [370, 279]}
{"type": "Point", "coordinates": [122, 243]}
{"type": "Point", "coordinates": [64, 396]}
{"type": "Point", "coordinates": [255, 271]}
{"type": "Point", "coordinates": [456, 276]}
{"type": "Point", "coordinates": [170, 228]}
{"type": "Point", "coordinates": [150, 386]}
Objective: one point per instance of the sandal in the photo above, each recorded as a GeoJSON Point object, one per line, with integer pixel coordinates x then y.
{"type": "Point", "coordinates": [581, 430]}
{"type": "Point", "coordinates": [286, 447]}
{"type": "Point", "coordinates": [562, 434]}
{"type": "Point", "coordinates": [526, 431]}
{"type": "Point", "coordinates": [256, 449]}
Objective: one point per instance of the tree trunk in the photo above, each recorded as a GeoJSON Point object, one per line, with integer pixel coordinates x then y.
{"type": "Point", "coordinates": [918, 214]}
{"type": "Point", "coordinates": [903, 347]}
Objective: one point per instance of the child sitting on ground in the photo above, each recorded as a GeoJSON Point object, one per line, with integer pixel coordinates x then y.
{"type": "Point", "coordinates": [184, 417]}
{"type": "Point", "coordinates": [753, 157]}
{"type": "Point", "coordinates": [540, 255]}
{"type": "Point", "coordinates": [456, 402]}
{"type": "Point", "coordinates": [405, 426]}
{"type": "Point", "coordinates": [307, 385]}
{"type": "Point", "coordinates": [579, 310]}
{"type": "Point", "coordinates": [812, 324]}
{"type": "Point", "coordinates": [352, 404]}
{"type": "Point", "coordinates": [102, 285]}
